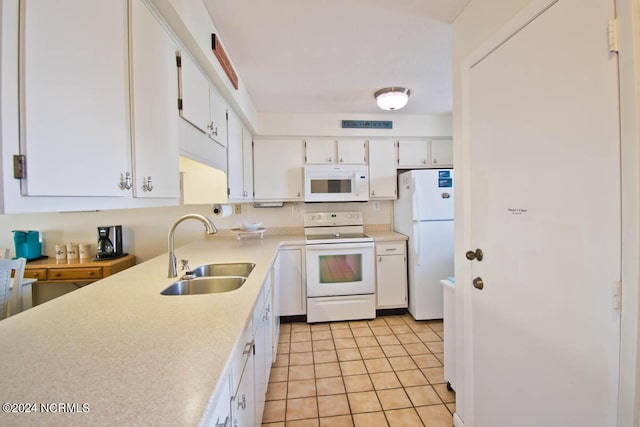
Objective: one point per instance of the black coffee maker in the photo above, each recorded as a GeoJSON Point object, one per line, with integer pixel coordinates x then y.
{"type": "Point", "coordinates": [109, 242]}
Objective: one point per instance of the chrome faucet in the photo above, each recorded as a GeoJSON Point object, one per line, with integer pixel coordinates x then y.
{"type": "Point", "coordinates": [208, 225]}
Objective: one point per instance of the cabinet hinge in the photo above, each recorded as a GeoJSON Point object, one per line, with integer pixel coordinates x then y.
{"type": "Point", "coordinates": [228, 191]}
{"type": "Point", "coordinates": [179, 61]}
{"type": "Point", "coordinates": [179, 103]}
{"type": "Point", "coordinates": [617, 297]}
{"type": "Point", "coordinates": [19, 166]}
{"type": "Point", "coordinates": [226, 115]}
{"type": "Point", "coordinates": [613, 35]}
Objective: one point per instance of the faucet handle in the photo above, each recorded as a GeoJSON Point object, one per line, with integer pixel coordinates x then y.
{"type": "Point", "coordinates": [185, 264]}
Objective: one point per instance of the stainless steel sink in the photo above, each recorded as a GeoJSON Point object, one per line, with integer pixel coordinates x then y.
{"type": "Point", "coordinates": [205, 285]}
{"type": "Point", "coordinates": [231, 269]}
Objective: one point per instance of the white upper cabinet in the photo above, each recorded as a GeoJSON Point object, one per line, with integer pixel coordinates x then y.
{"type": "Point", "coordinates": [75, 97]}
{"type": "Point", "coordinates": [329, 151]}
{"type": "Point", "coordinates": [277, 172]}
{"type": "Point", "coordinates": [194, 94]}
{"type": "Point", "coordinates": [382, 169]}
{"type": "Point", "coordinates": [247, 163]}
{"type": "Point", "coordinates": [154, 94]}
{"type": "Point", "coordinates": [240, 167]}
{"type": "Point", "coordinates": [442, 152]}
{"type": "Point", "coordinates": [218, 117]}
{"type": "Point", "coordinates": [413, 153]}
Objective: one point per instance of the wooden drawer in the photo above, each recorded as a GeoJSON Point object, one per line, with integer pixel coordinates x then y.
{"type": "Point", "coordinates": [86, 273]}
{"type": "Point", "coordinates": [390, 248]}
{"type": "Point", "coordinates": [39, 273]}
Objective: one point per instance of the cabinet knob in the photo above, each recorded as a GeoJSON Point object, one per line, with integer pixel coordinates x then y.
{"type": "Point", "coordinates": [373, 193]}
{"type": "Point", "coordinates": [424, 162]}
{"type": "Point", "coordinates": [435, 161]}
{"type": "Point", "coordinates": [298, 194]}
{"type": "Point", "coordinates": [478, 283]}
{"type": "Point", "coordinates": [146, 184]}
{"type": "Point", "coordinates": [340, 159]}
{"type": "Point", "coordinates": [125, 181]}
{"type": "Point", "coordinates": [477, 254]}
{"type": "Point", "coordinates": [329, 159]}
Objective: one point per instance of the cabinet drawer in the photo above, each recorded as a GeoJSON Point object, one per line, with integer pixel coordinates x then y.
{"type": "Point", "coordinates": [39, 274]}
{"type": "Point", "coordinates": [88, 273]}
{"type": "Point", "coordinates": [395, 248]}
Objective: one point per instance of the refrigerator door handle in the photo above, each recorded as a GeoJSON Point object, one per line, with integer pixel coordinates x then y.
{"type": "Point", "coordinates": [416, 241]}
{"type": "Point", "coordinates": [416, 201]}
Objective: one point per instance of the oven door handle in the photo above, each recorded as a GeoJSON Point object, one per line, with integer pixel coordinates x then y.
{"type": "Point", "coordinates": [338, 246]}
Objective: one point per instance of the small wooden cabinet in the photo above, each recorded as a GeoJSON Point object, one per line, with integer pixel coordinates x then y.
{"type": "Point", "coordinates": [391, 274]}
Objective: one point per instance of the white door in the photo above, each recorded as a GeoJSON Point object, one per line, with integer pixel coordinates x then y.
{"type": "Point", "coordinates": [544, 184]}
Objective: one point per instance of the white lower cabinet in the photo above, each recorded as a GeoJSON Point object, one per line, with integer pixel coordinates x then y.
{"type": "Point", "coordinates": [242, 378]}
{"type": "Point", "coordinates": [290, 282]}
{"type": "Point", "coordinates": [391, 275]}
{"type": "Point", "coordinates": [262, 348]}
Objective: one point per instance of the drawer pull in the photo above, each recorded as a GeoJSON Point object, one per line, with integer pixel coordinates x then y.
{"type": "Point", "coordinates": [248, 347]}
{"type": "Point", "coordinates": [391, 249]}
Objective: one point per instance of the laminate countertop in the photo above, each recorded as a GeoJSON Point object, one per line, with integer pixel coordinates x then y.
{"type": "Point", "coordinates": [119, 353]}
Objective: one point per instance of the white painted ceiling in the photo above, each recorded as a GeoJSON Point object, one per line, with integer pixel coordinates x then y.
{"type": "Point", "coordinates": [330, 56]}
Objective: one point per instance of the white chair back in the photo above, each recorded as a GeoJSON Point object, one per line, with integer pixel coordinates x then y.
{"type": "Point", "coordinates": [11, 288]}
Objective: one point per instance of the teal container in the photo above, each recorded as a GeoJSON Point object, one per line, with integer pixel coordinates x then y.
{"type": "Point", "coordinates": [27, 244]}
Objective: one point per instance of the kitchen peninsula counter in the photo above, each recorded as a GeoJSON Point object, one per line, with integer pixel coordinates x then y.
{"type": "Point", "coordinates": [119, 353]}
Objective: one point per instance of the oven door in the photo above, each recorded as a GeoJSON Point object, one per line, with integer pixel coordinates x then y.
{"type": "Point", "coordinates": [335, 269]}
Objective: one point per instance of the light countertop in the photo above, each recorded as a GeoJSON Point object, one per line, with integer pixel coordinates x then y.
{"type": "Point", "coordinates": [133, 355]}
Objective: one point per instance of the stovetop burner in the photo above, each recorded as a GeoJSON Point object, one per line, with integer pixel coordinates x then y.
{"type": "Point", "coordinates": [334, 227]}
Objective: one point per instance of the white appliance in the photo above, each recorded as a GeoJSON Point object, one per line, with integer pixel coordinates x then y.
{"type": "Point", "coordinates": [424, 213]}
{"type": "Point", "coordinates": [336, 183]}
{"type": "Point", "coordinates": [340, 267]}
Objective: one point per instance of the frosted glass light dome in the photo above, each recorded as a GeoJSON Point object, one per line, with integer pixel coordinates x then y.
{"type": "Point", "coordinates": [392, 98]}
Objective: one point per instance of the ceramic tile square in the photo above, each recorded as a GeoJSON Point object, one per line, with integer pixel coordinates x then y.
{"type": "Point", "coordinates": [394, 350]}
{"type": "Point", "coordinates": [378, 321]}
{"type": "Point", "coordinates": [426, 361]}
{"type": "Point", "coordinates": [284, 338]}
{"type": "Point", "coordinates": [345, 342]}
{"type": "Point", "coordinates": [326, 370]}
{"type": "Point", "coordinates": [339, 325]}
{"type": "Point", "coordinates": [436, 347]}
{"type": "Point", "coordinates": [420, 327]}
{"type": "Point", "coordinates": [366, 401]}
{"type": "Point", "coordinates": [321, 335]}
{"type": "Point", "coordinates": [358, 383]}
{"type": "Point", "coordinates": [274, 411]}
{"type": "Point", "coordinates": [428, 336]}
{"type": "Point", "coordinates": [440, 334]}
{"type": "Point", "coordinates": [279, 374]}
{"type": "Point", "coordinates": [325, 356]}
{"type": "Point", "coordinates": [300, 347]}
{"type": "Point", "coordinates": [362, 332]}
{"type": "Point", "coordinates": [381, 330]}
{"type": "Point", "coordinates": [371, 419]}
{"type": "Point", "coordinates": [336, 404]}
{"type": "Point", "coordinates": [323, 345]}
{"type": "Point", "coordinates": [366, 341]}
{"type": "Point", "coordinates": [356, 324]}
{"type": "Point", "coordinates": [300, 336]}
{"type": "Point", "coordinates": [384, 340]}
{"type": "Point", "coordinates": [410, 338]}
{"type": "Point", "coordinates": [440, 357]}
{"type": "Point", "coordinates": [298, 409]}
{"type": "Point", "coordinates": [451, 407]}
{"type": "Point", "coordinates": [394, 320]}
{"type": "Point", "coordinates": [332, 385]}
{"type": "Point", "coordinates": [435, 416]}
{"type": "Point", "coordinates": [378, 365]}
{"type": "Point", "coordinates": [300, 327]}
{"type": "Point", "coordinates": [394, 398]}
{"type": "Point", "coordinates": [283, 348]}
{"type": "Point", "coordinates": [401, 329]}
{"type": "Point", "coordinates": [305, 358]}
{"type": "Point", "coordinates": [339, 421]}
{"type": "Point", "coordinates": [434, 375]}
{"type": "Point", "coordinates": [446, 395]}
{"type": "Point", "coordinates": [302, 372]}
{"type": "Point", "coordinates": [301, 388]}
{"type": "Point", "coordinates": [313, 422]}
{"type": "Point", "coordinates": [385, 380]}
{"type": "Point", "coordinates": [342, 333]}
{"type": "Point", "coordinates": [412, 377]}
{"type": "Point", "coordinates": [436, 325]}
{"type": "Point", "coordinates": [282, 360]}
{"type": "Point", "coordinates": [403, 417]}
{"type": "Point", "coordinates": [277, 391]}
{"type": "Point", "coordinates": [402, 363]}
{"type": "Point", "coordinates": [285, 328]}
{"type": "Point", "coordinates": [280, 424]}
{"type": "Point", "coordinates": [371, 352]}
{"type": "Point", "coordinates": [345, 354]}
{"type": "Point", "coordinates": [416, 348]}
{"type": "Point", "coordinates": [423, 395]}
{"type": "Point", "coordinates": [320, 327]}
{"type": "Point", "coordinates": [353, 367]}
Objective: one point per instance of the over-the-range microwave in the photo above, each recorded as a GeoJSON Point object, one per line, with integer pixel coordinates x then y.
{"type": "Point", "coordinates": [336, 183]}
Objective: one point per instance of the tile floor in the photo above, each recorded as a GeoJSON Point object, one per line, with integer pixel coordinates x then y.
{"type": "Point", "coordinates": [383, 372]}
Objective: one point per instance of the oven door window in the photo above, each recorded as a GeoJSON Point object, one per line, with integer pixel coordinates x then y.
{"type": "Point", "coordinates": [340, 268]}
{"type": "Point", "coordinates": [330, 186]}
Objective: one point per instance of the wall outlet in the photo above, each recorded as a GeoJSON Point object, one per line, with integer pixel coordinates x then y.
{"type": "Point", "coordinates": [376, 206]}
{"type": "Point", "coordinates": [237, 208]}
{"type": "Point", "coordinates": [294, 207]}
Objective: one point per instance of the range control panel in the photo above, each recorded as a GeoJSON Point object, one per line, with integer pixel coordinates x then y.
{"type": "Point", "coordinates": [329, 219]}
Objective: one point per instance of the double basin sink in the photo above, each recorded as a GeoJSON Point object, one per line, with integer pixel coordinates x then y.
{"type": "Point", "coordinates": [211, 279]}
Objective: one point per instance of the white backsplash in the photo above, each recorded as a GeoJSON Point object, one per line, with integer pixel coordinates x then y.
{"type": "Point", "coordinates": [145, 230]}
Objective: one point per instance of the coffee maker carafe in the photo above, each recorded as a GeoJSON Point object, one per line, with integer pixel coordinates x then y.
{"type": "Point", "coordinates": [109, 242]}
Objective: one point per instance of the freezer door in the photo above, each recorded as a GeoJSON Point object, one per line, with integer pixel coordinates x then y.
{"type": "Point", "coordinates": [432, 195]}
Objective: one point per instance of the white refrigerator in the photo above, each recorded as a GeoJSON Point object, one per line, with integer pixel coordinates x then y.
{"type": "Point", "coordinates": [424, 213]}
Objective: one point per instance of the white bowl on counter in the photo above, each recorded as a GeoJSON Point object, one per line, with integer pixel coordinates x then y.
{"type": "Point", "coordinates": [251, 226]}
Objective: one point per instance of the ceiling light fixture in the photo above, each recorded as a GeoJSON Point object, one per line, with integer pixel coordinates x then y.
{"type": "Point", "coordinates": [392, 98]}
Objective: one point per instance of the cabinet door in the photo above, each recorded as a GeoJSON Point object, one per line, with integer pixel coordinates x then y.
{"type": "Point", "coordinates": [235, 166]}
{"type": "Point", "coordinates": [320, 151]}
{"type": "Point", "coordinates": [413, 153]}
{"type": "Point", "coordinates": [383, 179]}
{"type": "Point", "coordinates": [391, 279]}
{"type": "Point", "coordinates": [218, 117]}
{"type": "Point", "coordinates": [154, 94]}
{"type": "Point", "coordinates": [442, 152]}
{"type": "Point", "coordinates": [247, 162]}
{"type": "Point", "coordinates": [352, 152]}
{"type": "Point", "coordinates": [194, 94]}
{"type": "Point", "coordinates": [290, 283]}
{"type": "Point", "coordinates": [278, 170]}
{"type": "Point", "coordinates": [74, 97]}
{"type": "Point", "coordinates": [243, 403]}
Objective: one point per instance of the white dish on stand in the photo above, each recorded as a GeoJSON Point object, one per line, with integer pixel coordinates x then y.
{"type": "Point", "coordinates": [241, 233]}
